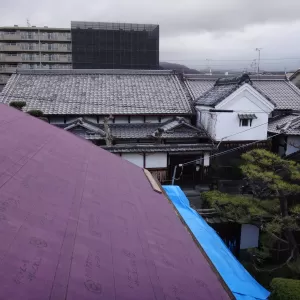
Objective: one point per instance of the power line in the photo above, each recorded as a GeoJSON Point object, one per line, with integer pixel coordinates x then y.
{"type": "Point", "coordinates": [248, 60]}
{"type": "Point", "coordinates": [216, 155]}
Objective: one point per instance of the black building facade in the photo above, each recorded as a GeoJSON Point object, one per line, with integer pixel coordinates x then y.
{"type": "Point", "coordinates": [114, 45]}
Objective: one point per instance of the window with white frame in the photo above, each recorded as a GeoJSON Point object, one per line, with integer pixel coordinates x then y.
{"type": "Point", "coordinates": [246, 119]}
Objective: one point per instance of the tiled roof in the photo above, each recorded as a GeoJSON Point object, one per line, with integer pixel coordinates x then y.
{"type": "Point", "coordinates": [80, 223]}
{"type": "Point", "coordinates": [277, 89]}
{"type": "Point", "coordinates": [86, 125]}
{"type": "Point", "coordinates": [289, 124]}
{"type": "Point", "coordinates": [247, 116]}
{"type": "Point", "coordinates": [140, 148]}
{"type": "Point", "coordinates": [216, 94]}
{"type": "Point", "coordinates": [222, 88]}
{"type": "Point", "coordinates": [199, 84]}
{"type": "Point", "coordinates": [100, 92]}
{"type": "Point", "coordinates": [177, 128]}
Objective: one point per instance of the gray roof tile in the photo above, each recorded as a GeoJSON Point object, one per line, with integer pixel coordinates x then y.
{"type": "Point", "coordinates": [140, 148]}
{"type": "Point", "coordinates": [277, 89]}
{"type": "Point", "coordinates": [170, 129]}
{"type": "Point", "coordinates": [216, 94]}
{"type": "Point", "coordinates": [101, 92]}
{"type": "Point", "coordinates": [289, 124]}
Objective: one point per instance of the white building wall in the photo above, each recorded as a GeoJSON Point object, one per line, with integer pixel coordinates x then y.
{"type": "Point", "coordinates": [121, 119]}
{"type": "Point", "coordinates": [91, 119]}
{"type": "Point", "coordinates": [135, 158]}
{"type": "Point", "coordinates": [137, 119]}
{"type": "Point", "coordinates": [228, 127]}
{"type": "Point", "coordinates": [206, 159]}
{"type": "Point", "coordinates": [151, 119]}
{"type": "Point", "coordinates": [156, 160]}
{"type": "Point", "coordinates": [293, 144]}
{"type": "Point", "coordinates": [207, 119]}
{"type": "Point", "coordinates": [165, 119]}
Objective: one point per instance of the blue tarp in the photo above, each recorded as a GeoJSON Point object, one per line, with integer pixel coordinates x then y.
{"type": "Point", "coordinates": [239, 281]}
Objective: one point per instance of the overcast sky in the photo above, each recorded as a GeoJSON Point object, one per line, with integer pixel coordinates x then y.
{"type": "Point", "coordinates": [191, 31]}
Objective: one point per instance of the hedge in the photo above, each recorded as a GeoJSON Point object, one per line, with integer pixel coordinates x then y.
{"type": "Point", "coordinates": [35, 113]}
{"type": "Point", "coordinates": [17, 104]}
{"type": "Point", "coordinates": [285, 289]}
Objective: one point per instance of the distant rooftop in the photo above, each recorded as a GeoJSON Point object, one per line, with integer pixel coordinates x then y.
{"type": "Point", "coordinates": [112, 26]}
{"type": "Point", "coordinates": [33, 28]}
{"type": "Point", "coordinates": [277, 88]}
{"type": "Point", "coordinates": [99, 92]}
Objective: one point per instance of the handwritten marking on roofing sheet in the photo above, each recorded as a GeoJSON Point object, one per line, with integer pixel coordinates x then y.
{"type": "Point", "coordinates": [91, 284]}
{"type": "Point", "coordinates": [27, 271]}
{"type": "Point", "coordinates": [7, 203]}
{"type": "Point", "coordinates": [176, 291]}
{"type": "Point", "coordinates": [94, 225]}
{"type": "Point", "coordinates": [132, 273]}
{"type": "Point", "coordinates": [39, 243]}
{"type": "Point", "coordinates": [47, 218]}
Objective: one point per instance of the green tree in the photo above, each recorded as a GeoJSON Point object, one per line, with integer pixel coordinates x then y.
{"type": "Point", "coordinates": [274, 183]}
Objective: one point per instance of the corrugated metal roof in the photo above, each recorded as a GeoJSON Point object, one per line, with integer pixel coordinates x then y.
{"type": "Point", "coordinates": [80, 223]}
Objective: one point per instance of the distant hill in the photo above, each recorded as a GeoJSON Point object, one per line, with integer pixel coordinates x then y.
{"type": "Point", "coordinates": [177, 67]}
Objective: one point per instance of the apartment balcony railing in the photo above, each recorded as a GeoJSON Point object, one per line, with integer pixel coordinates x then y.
{"type": "Point", "coordinates": [34, 48]}
{"type": "Point", "coordinates": [35, 58]}
{"type": "Point", "coordinates": [7, 70]}
{"type": "Point", "coordinates": [34, 37]}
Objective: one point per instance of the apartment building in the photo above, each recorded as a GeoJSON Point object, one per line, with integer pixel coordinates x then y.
{"type": "Point", "coordinates": [33, 48]}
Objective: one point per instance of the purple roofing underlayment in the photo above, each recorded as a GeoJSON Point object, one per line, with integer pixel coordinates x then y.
{"type": "Point", "coordinates": [77, 222]}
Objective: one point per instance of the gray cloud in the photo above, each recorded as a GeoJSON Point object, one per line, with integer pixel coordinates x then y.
{"type": "Point", "coordinates": [191, 30]}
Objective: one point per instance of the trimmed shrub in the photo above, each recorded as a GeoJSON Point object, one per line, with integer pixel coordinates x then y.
{"type": "Point", "coordinates": [17, 104]}
{"type": "Point", "coordinates": [285, 289]}
{"type": "Point", "coordinates": [36, 113]}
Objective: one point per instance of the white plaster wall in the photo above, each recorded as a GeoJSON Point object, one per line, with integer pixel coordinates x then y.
{"type": "Point", "coordinates": [151, 119]}
{"type": "Point", "coordinates": [121, 119]}
{"type": "Point", "coordinates": [165, 119]}
{"type": "Point", "coordinates": [249, 236]}
{"type": "Point", "coordinates": [91, 119]}
{"type": "Point", "coordinates": [156, 160]}
{"type": "Point", "coordinates": [292, 141]}
{"type": "Point", "coordinates": [135, 158]}
{"type": "Point", "coordinates": [228, 127]}
{"type": "Point", "coordinates": [206, 119]}
{"type": "Point", "coordinates": [206, 159]}
{"type": "Point", "coordinates": [136, 119]}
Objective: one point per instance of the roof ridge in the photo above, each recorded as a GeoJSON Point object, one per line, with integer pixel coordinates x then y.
{"type": "Point", "coordinates": [294, 88]}
{"type": "Point", "coordinates": [94, 71]}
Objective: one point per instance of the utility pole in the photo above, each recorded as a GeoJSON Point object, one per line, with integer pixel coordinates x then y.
{"type": "Point", "coordinates": [208, 65]}
{"type": "Point", "coordinates": [258, 62]}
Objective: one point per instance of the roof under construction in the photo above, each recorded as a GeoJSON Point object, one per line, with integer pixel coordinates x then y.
{"type": "Point", "coordinates": [78, 222]}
